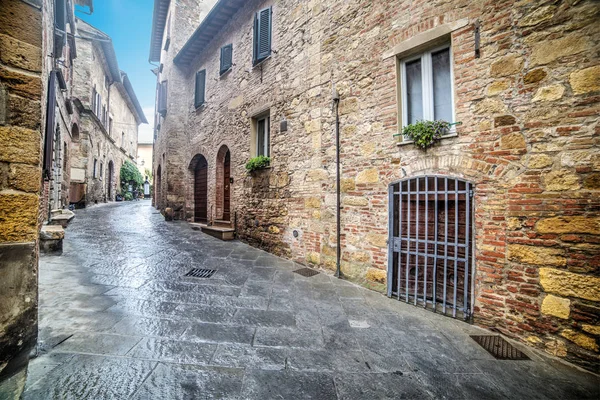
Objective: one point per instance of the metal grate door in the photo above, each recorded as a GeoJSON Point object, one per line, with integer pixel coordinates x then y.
{"type": "Point", "coordinates": [430, 251]}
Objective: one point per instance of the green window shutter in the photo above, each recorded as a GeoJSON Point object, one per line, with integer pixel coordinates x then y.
{"type": "Point", "coordinates": [162, 98]}
{"type": "Point", "coordinates": [262, 34]}
{"type": "Point", "coordinates": [200, 88]}
{"type": "Point", "coordinates": [226, 58]}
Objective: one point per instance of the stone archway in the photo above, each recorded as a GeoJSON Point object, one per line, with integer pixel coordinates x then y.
{"type": "Point", "coordinates": [223, 184]}
{"type": "Point", "coordinates": [199, 167]}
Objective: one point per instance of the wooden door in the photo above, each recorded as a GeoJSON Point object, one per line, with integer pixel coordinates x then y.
{"type": "Point", "coordinates": [227, 188]}
{"type": "Point", "coordinates": [200, 192]}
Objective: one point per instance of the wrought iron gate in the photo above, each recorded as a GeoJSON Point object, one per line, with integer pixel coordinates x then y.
{"type": "Point", "coordinates": [430, 251]}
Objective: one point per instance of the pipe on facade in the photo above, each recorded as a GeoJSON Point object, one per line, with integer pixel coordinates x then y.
{"type": "Point", "coordinates": [336, 103]}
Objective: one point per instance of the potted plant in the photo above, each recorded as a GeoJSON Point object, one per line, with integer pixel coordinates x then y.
{"type": "Point", "coordinates": [424, 134]}
{"type": "Point", "coordinates": [257, 163]}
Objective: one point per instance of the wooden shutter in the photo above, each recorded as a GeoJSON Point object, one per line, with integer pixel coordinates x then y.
{"type": "Point", "coordinates": [162, 98]}
{"type": "Point", "coordinates": [60, 24]}
{"type": "Point", "coordinates": [50, 122]}
{"type": "Point", "coordinates": [200, 88]}
{"type": "Point", "coordinates": [262, 35]}
{"type": "Point", "coordinates": [226, 58]}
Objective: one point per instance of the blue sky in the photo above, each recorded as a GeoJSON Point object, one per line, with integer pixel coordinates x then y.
{"type": "Point", "coordinates": [128, 23]}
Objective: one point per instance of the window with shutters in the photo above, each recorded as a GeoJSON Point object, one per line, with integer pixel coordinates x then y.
{"type": "Point", "coordinates": [94, 99]}
{"type": "Point", "coordinates": [60, 26]}
{"type": "Point", "coordinates": [101, 170]}
{"type": "Point", "coordinates": [427, 87]}
{"type": "Point", "coordinates": [262, 35]}
{"type": "Point", "coordinates": [226, 59]}
{"type": "Point", "coordinates": [162, 97]}
{"type": "Point", "coordinates": [95, 170]}
{"type": "Point", "coordinates": [199, 93]}
{"type": "Point", "coordinates": [168, 40]}
{"type": "Point", "coordinates": [261, 135]}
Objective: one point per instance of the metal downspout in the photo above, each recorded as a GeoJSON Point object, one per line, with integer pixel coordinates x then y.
{"type": "Point", "coordinates": [336, 102]}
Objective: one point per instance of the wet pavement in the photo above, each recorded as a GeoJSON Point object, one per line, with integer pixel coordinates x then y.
{"type": "Point", "coordinates": [119, 320]}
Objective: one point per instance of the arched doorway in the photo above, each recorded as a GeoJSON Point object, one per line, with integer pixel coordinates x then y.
{"type": "Point", "coordinates": [157, 188]}
{"type": "Point", "coordinates": [110, 180]}
{"type": "Point", "coordinates": [199, 166]}
{"type": "Point", "coordinates": [223, 184]}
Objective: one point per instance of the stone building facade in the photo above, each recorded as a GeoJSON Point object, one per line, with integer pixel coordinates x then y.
{"type": "Point", "coordinates": [36, 58]}
{"type": "Point", "coordinates": [521, 78]}
{"type": "Point", "coordinates": [109, 117]}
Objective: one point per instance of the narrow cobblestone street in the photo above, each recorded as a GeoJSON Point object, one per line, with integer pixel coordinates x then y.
{"type": "Point", "coordinates": [118, 319]}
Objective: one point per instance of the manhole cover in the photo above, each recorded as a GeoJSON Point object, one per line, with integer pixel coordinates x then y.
{"type": "Point", "coordinates": [201, 273]}
{"type": "Point", "coordinates": [499, 348]}
{"type": "Point", "coordinates": [306, 272]}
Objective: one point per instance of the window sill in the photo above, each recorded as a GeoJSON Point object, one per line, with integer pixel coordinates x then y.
{"type": "Point", "coordinates": [407, 142]}
{"type": "Point", "coordinates": [261, 62]}
{"type": "Point", "coordinates": [225, 73]}
{"type": "Point", "coordinates": [200, 107]}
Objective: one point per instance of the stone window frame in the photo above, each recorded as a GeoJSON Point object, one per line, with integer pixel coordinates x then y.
{"type": "Point", "coordinates": [261, 115]}
{"type": "Point", "coordinates": [420, 43]}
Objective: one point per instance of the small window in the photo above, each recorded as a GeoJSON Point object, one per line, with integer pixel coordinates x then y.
{"type": "Point", "coordinates": [263, 136]}
{"type": "Point", "coordinates": [94, 99]}
{"type": "Point", "coordinates": [226, 58]}
{"type": "Point", "coordinates": [101, 170]}
{"type": "Point", "coordinates": [162, 98]}
{"type": "Point", "coordinates": [123, 139]}
{"type": "Point", "coordinates": [106, 81]}
{"type": "Point", "coordinates": [427, 87]}
{"type": "Point", "coordinates": [110, 126]}
{"type": "Point", "coordinates": [262, 35]}
{"type": "Point", "coordinates": [199, 94]}
{"type": "Point", "coordinates": [95, 170]}
{"type": "Point", "coordinates": [60, 26]}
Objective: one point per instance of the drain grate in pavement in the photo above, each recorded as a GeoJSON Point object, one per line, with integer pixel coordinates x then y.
{"type": "Point", "coordinates": [201, 273]}
{"type": "Point", "coordinates": [308, 272]}
{"type": "Point", "coordinates": [499, 348]}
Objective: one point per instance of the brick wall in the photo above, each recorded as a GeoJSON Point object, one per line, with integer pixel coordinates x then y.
{"type": "Point", "coordinates": [528, 142]}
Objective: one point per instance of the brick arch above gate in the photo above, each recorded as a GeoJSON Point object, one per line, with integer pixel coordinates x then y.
{"type": "Point", "coordinates": [463, 166]}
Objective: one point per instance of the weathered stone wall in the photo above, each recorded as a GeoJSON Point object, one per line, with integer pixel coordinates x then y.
{"type": "Point", "coordinates": [21, 90]}
{"type": "Point", "coordinates": [99, 143]}
{"type": "Point", "coordinates": [528, 141]}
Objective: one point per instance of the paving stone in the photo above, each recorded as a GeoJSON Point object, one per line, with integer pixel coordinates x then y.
{"type": "Point", "coordinates": [204, 313]}
{"type": "Point", "coordinates": [380, 386]}
{"type": "Point", "coordinates": [144, 326]}
{"type": "Point", "coordinates": [91, 377]}
{"type": "Point", "coordinates": [286, 337]}
{"type": "Point", "coordinates": [245, 356]}
{"type": "Point", "coordinates": [170, 381]}
{"type": "Point", "coordinates": [260, 384]}
{"type": "Point", "coordinates": [98, 343]}
{"type": "Point", "coordinates": [264, 318]}
{"type": "Point", "coordinates": [348, 360]}
{"type": "Point", "coordinates": [218, 333]}
{"type": "Point", "coordinates": [175, 351]}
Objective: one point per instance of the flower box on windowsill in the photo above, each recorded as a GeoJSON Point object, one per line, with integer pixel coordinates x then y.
{"type": "Point", "coordinates": [257, 164]}
{"type": "Point", "coordinates": [451, 132]}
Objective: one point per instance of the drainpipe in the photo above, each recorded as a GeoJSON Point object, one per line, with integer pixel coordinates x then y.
{"type": "Point", "coordinates": [336, 102]}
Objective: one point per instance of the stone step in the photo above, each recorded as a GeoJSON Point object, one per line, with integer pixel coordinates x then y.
{"type": "Point", "coordinates": [223, 223]}
{"type": "Point", "coordinates": [51, 239]}
{"type": "Point", "coordinates": [220, 232]}
{"type": "Point", "coordinates": [61, 217]}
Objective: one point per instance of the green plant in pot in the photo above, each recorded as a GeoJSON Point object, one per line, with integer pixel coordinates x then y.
{"type": "Point", "coordinates": [425, 133]}
{"type": "Point", "coordinates": [256, 163]}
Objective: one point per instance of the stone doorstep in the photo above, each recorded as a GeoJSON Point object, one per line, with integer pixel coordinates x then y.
{"type": "Point", "coordinates": [52, 232]}
{"type": "Point", "coordinates": [220, 232]}
{"type": "Point", "coordinates": [51, 239]}
{"type": "Point", "coordinates": [61, 217]}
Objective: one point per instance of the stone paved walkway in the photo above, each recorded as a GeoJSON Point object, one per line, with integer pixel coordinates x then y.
{"type": "Point", "coordinates": [118, 320]}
